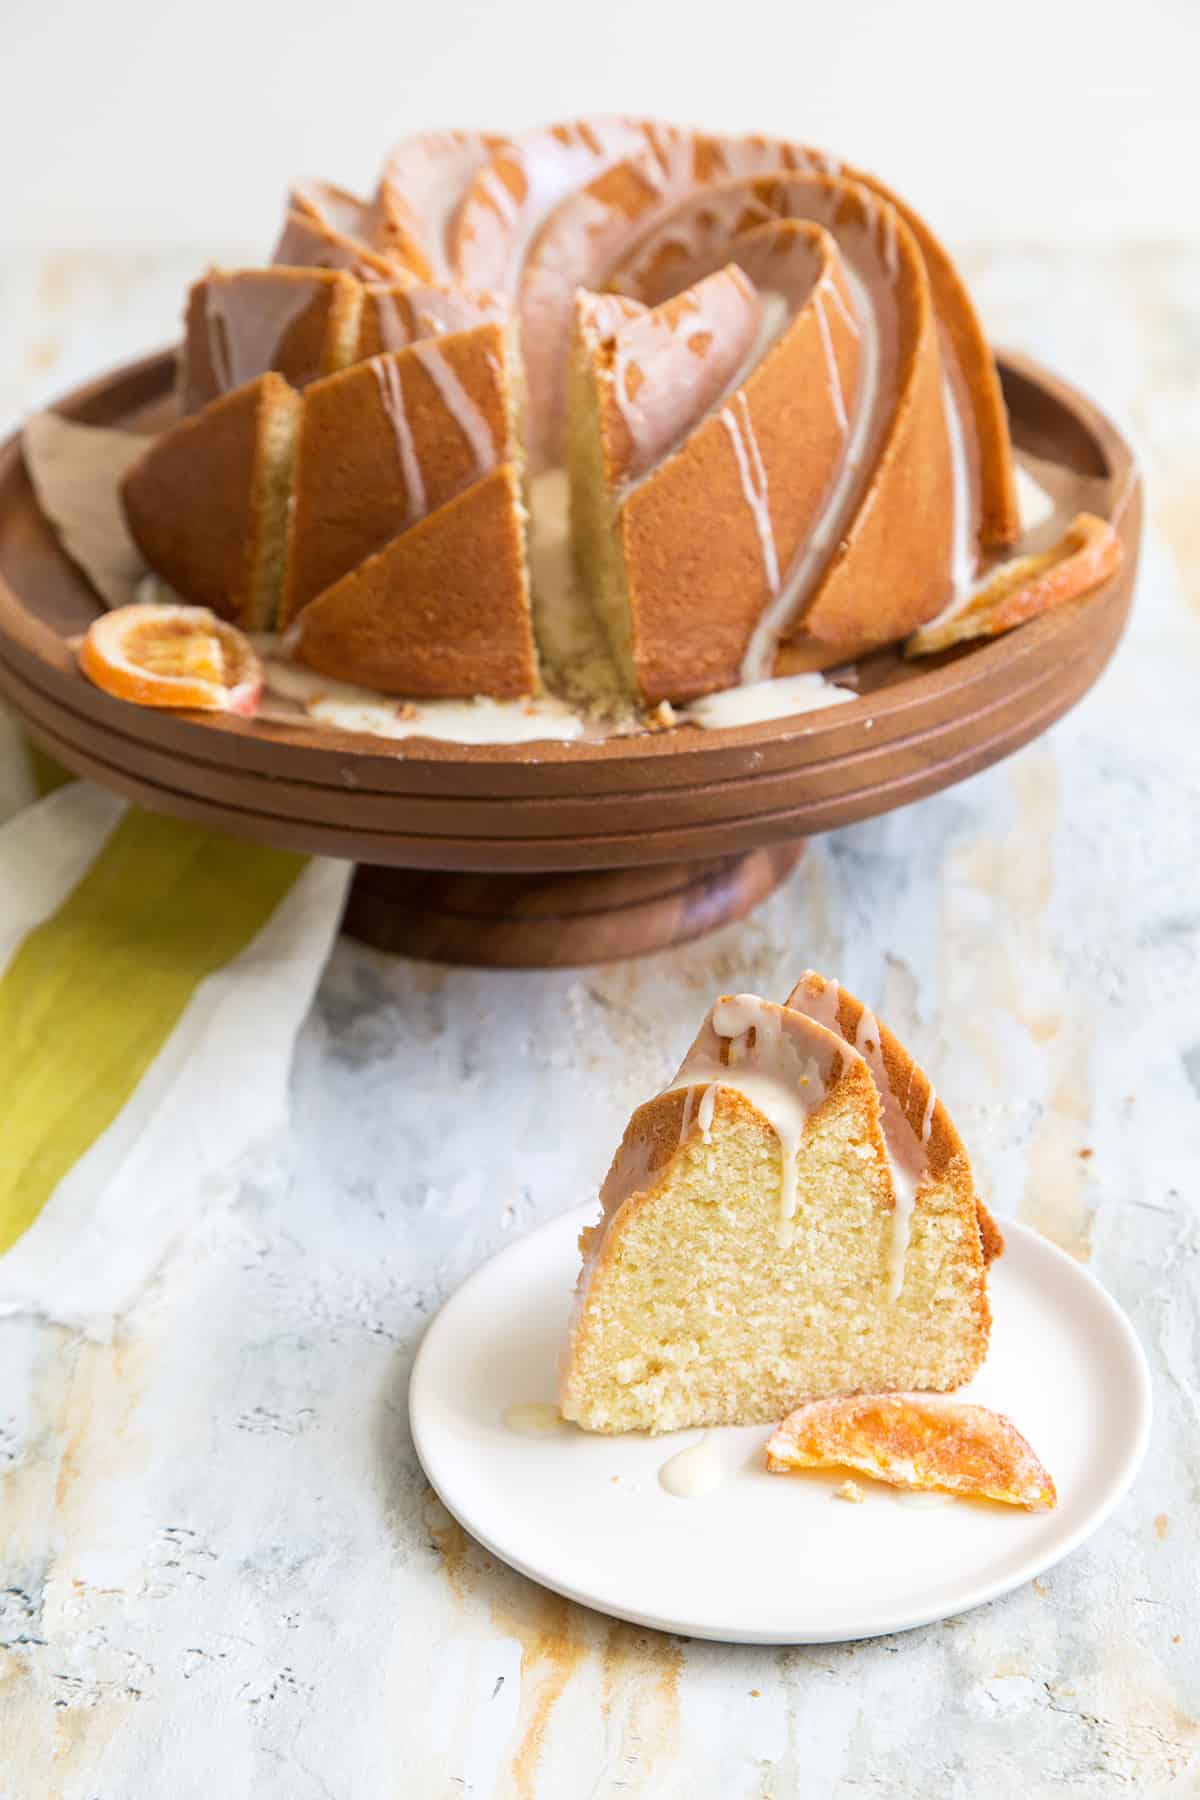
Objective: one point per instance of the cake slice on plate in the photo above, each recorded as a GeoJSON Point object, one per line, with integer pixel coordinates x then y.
{"type": "Point", "coordinates": [794, 1217]}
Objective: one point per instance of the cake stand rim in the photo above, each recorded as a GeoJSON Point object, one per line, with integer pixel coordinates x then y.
{"type": "Point", "coordinates": [204, 738]}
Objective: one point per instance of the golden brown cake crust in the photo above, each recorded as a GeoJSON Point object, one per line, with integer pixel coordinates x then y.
{"type": "Point", "coordinates": [197, 503]}
{"type": "Point", "coordinates": [380, 447]}
{"type": "Point", "coordinates": [692, 546]}
{"type": "Point", "coordinates": [302, 323]}
{"type": "Point", "coordinates": [398, 313]}
{"type": "Point", "coordinates": [710, 548]}
{"type": "Point", "coordinates": [926, 1116]}
{"type": "Point", "coordinates": [443, 610]}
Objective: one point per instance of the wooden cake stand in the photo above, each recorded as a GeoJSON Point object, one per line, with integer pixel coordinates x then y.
{"type": "Point", "coordinates": [536, 855]}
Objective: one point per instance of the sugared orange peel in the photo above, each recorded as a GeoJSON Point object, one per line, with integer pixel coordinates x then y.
{"type": "Point", "coordinates": [1084, 556]}
{"type": "Point", "coordinates": [915, 1441]}
{"type": "Point", "coordinates": [172, 656]}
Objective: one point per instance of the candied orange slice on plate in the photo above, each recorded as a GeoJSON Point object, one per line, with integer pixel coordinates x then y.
{"type": "Point", "coordinates": [172, 655]}
{"type": "Point", "coordinates": [915, 1441]}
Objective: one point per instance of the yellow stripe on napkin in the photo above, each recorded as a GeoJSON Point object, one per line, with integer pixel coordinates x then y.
{"type": "Point", "coordinates": [48, 775]}
{"type": "Point", "coordinates": [93, 993]}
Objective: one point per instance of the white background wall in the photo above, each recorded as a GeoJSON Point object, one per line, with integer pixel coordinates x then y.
{"type": "Point", "coordinates": [125, 121]}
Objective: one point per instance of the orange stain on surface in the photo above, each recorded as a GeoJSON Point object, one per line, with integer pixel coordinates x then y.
{"type": "Point", "coordinates": [449, 1540]}
{"type": "Point", "coordinates": [640, 1675]}
{"type": "Point", "coordinates": [547, 1628]}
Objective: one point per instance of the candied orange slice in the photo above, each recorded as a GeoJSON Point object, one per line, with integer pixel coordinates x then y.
{"type": "Point", "coordinates": [915, 1441]}
{"type": "Point", "coordinates": [172, 656]}
{"type": "Point", "coordinates": [1084, 556]}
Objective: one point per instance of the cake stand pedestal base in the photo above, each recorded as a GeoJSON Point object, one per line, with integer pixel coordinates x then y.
{"type": "Point", "coordinates": [556, 921]}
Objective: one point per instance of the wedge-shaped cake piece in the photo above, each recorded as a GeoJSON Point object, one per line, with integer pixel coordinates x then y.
{"type": "Point", "coordinates": [793, 1217]}
{"type": "Point", "coordinates": [730, 403]}
{"type": "Point", "coordinates": [207, 504]}
{"type": "Point", "coordinates": [303, 323]}
{"type": "Point", "coordinates": [915, 1441]}
{"type": "Point", "coordinates": [390, 440]}
{"type": "Point", "coordinates": [442, 611]}
{"type": "Point", "coordinates": [837, 484]}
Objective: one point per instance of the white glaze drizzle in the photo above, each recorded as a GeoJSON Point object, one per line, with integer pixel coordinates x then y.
{"type": "Point", "coordinates": [835, 379]}
{"type": "Point", "coordinates": [428, 174]}
{"type": "Point", "coordinates": [246, 326]}
{"type": "Point", "coordinates": [722, 322]}
{"type": "Point", "coordinates": [829, 286]}
{"type": "Point", "coordinates": [428, 312]}
{"type": "Point", "coordinates": [780, 698]}
{"type": "Point", "coordinates": [754, 483]}
{"type": "Point", "coordinates": [891, 240]}
{"type": "Point", "coordinates": [1035, 506]}
{"type": "Point", "coordinates": [908, 1163]}
{"type": "Point", "coordinates": [480, 721]}
{"type": "Point", "coordinates": [534, 1418]}
{"type": "Point", "coordinates": [500, 196]}
{"type": "Point", "coordinates": [704, 1114]}
{"type": "Point", "coordinates": [550, 166]}
{"type": "Point", "coordinates": [218, 349]}
{"type": "Point", "coordinates": [906, 1158]}
{"type": "Point", "coordinates": [340, 211]}
{"type": "Point", "coordinates": [391, 393]}
{"type": "Point", "coordinates": [392, 319]}
{"type": "Point", "coordinates": [834, 517]}
{"type": "Point", "coordinates": [963, 560]}
{"type": "Point", "coordinates": [822, 1004]}
{"type": "Point", "coordinates": [459, 405]}
{"type": "Point", "coordinates": [772, 1072]}
{"type": "Point", "coordinates": [693, 1472]}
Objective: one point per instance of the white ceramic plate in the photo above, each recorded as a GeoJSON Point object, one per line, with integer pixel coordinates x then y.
{"type": "Point", "coordinates": [770, 1559]}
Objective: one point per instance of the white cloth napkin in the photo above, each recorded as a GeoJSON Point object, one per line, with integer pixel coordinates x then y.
{"type": "Point", "coordinates": [214, 1089]}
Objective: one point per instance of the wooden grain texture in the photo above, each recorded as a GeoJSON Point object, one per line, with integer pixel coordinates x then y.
{"type": "Point", "coordinates": [542, 921]}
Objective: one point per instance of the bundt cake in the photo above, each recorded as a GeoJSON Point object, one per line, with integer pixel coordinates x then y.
{"type": "Point", "coordinates": [793, 1217]}
{"type": "Point", "coordinates": [782, 428]}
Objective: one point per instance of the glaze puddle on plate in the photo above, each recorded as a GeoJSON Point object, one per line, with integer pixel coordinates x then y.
{"type": "Point", "coordinates": [765, 1558]}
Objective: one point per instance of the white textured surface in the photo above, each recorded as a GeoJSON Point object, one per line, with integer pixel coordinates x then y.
{"type": "Point", "coordinates": [173, 123]}
{"type": "Point", "coordinates": [221, 1570]}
